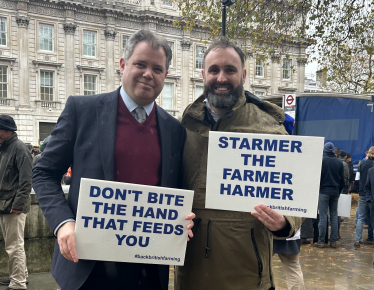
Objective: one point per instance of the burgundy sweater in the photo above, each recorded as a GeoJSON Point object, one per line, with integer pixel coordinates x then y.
{"type": "Point", "coordinates": [137, 150]}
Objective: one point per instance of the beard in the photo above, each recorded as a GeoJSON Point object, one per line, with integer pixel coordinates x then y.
{"type": "Point", "coordinates": [223, 101]}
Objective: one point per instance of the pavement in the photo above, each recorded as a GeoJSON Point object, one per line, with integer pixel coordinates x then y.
{"type": "Point", "coordinates": [343, 268]}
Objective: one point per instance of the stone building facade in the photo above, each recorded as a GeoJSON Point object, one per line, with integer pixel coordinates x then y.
{"type": "Point", "coordinates": [51, 49]}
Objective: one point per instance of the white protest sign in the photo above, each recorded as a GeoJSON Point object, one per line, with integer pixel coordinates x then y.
{"type": "Point", "coordinates": [125, 222]}
{"type": "Point", "coordinates": [280, 171]}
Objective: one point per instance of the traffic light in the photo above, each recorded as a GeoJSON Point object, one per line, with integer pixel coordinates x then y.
{"type": "Point", "coordinates": [228, 2]}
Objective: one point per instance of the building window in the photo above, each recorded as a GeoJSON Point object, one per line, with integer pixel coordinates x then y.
{"type": "Point", "coordinates": [89, 43]}
{"type": "Point", "coordinates": [167, 96]}
{"type": "Point", "coordinates": [3, 82]}
{"type": "Point", "coordinates": [199, 57]}
{"type": "Point", "coordinates": [287, 69]}
{"type": "Point", "coordinates": [167, 2]}
{"type": "Point", "coordinates": [259, 94]}
{"type": "Point", "coordinates": [171, 45]}
{"type": "Point", "coordinates": [260, 68]}
{"type": "Point", "coordinates": [89, 85]}
{"type": "Point", "coordinates": [46, 85]}
{"type": "Point", "coordinates": [46, 37]}
{"type": "Point", "coordinates": [125, 39]}
{"type": "Point", "coordinates": [199, 90]}
{"type": "Point", "coordinates": [3, 33]}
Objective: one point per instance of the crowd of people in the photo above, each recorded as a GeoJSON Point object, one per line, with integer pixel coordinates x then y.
{"type": "Point", "coordinates": [227, 249]}
{"type": "Point", "coordinates": [338, 177]}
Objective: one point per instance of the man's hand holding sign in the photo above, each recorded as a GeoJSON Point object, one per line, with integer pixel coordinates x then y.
{"type": "Point", "coordinates": [270, 218]}
{"type": "Point", "coordinates": [126, 222]}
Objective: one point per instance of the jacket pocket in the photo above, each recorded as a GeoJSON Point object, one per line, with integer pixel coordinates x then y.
{"type": "Point", "coordinates": [228, 243]}
{"type": "Point", "coordinates": [6, 204]}
{"type": "Point", "coordinates": [8, 182]}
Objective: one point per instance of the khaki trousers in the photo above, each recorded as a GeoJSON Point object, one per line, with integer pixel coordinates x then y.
{"type": "Point", "coordinates": [292, 269]}
{"type": "Point", "coordinates": [13, 226]}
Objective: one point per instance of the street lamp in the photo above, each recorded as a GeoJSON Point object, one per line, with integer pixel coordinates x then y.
{"type": "Point", "coordinates": [225, 3]}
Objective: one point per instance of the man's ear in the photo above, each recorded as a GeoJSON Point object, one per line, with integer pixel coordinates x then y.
{"type": "Point", "coordinates": [203, 74]}
{"type": "Point", "coordinates": [122, 65]}
{"type": "Point", "coordinates": [244, 75]}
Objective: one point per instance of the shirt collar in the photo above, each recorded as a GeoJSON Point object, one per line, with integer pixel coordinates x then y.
{"type": "Point", "coordinates": [131, 105]}
{"type": "Point", "coordinates": [215, 116]}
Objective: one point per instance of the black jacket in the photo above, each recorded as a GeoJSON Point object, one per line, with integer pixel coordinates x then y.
{"type": "Point", "coordinates": [15, 175]}
{"type": "Point", "coordinates": [84, 137]}
{"type": "Point", "coordinates": [351, 172]}
{"type": "Point", "coordinates": [332, 175]}
{"type": "Point", "coordinates": [369, 185]}
{"type": "Point", "coordinates": [364, 168]}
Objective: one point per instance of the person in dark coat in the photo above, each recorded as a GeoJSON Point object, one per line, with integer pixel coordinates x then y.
{"type": "Point", "coordinates": [121, 136]}
{"type": "Point", "coordinates": [350, 167]}
{"type": "Point", "coordinates": [332, 182]}
{"type": "Point", "coordinates": [15, 189]}
{"type": "Point", "coordinates": [369, 193]}
{"type": "Point", "coordinates": [363, 205]}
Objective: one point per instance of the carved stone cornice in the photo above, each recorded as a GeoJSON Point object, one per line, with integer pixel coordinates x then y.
{"type": "Point", "coordinates": [186, 44]}
{"type": "Point", "coordinates": [70, 28]}
{"type": "Point", "coordinates": [302, 61]}
{"type": "Point", "coordinates": [11, 60]}
{"type": "Point", "coordinates": [110, 33]}
{"type": "Point", "coordinates": [22, 21]}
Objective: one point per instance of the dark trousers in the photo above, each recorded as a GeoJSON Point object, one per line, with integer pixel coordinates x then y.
{"type": "Point", "coordinates": [122, 276]}
{"type": "Point", "coordinates": [316, 232]}
{"type": "Point", "coordinates": [371, 225]}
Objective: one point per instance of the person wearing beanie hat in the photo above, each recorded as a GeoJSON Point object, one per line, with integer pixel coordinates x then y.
{"type": "Point", "coordinates": [35, 150]}
{"type": "Point", "coordinates": [332, 182]}
{"type": "Point", "coordinates": [15, 189]}
{"type": "Point", "coordinates": [7, 123]}
{"type": "Point", "coordinates": [328, 148]}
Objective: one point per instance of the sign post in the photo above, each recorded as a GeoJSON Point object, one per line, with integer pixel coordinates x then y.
{"type": "Point", "coordinates": [289, 102]}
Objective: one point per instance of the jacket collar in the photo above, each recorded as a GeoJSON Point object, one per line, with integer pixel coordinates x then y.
{"type": "Point", "coordinates": [106, 119]}
{"type": "Point", "coordinates": [9, 141]}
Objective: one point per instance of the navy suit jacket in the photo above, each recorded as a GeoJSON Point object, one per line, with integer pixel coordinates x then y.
{"type": "Point", "coordinates": [84, 138]}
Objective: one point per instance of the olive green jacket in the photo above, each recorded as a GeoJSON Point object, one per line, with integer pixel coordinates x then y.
{"type": "Point", "coordinates": [230, 250]}
{"type": "Point", "coordinates": [15, 175]}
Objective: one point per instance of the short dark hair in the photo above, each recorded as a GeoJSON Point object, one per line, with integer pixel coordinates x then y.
{"type": "Point", "coordinates": [155, 41]}
{"type": "Point", "coordinates": [224, 42]}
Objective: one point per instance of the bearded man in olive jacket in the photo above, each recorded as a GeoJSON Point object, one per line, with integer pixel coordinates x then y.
{"type": "Point", "coordinates": [231, 250]}
{"type": "Point", "coordinates": [15, 188]}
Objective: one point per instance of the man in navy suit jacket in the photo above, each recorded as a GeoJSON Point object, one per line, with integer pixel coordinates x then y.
{"type": "Point", "coordinates": [95, 136]}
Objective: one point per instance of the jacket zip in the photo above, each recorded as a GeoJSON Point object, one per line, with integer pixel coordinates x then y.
{"type": "Point", "coordinates": [259, 262]}
{"type": "Point", "coordinates": [270, 252]}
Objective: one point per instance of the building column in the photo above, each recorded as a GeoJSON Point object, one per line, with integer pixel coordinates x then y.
{"type": "Point", "coordinates": [301, 62]}
{"type": "Point", "coordinates": [110, 35]}
{"type": "Point", "coordinates": [23, 59]}
{"type": "Point", "coordinates": [186, 45]}
{"type": "Point", "coordinates": [274, 74]}
{"type": "Point", "coordinates": [69, 29]}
